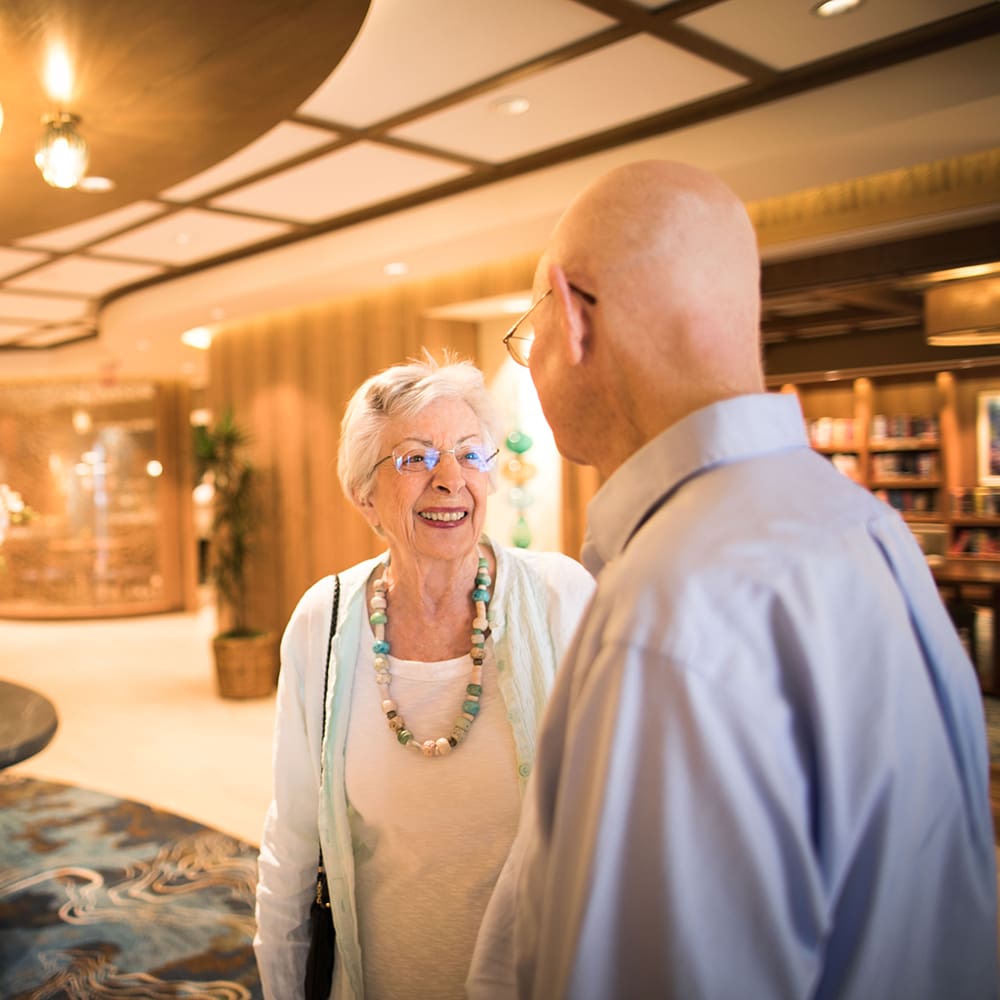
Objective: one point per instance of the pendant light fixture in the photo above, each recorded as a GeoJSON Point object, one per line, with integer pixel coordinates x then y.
{"type": "Point", "coordinates": [61, 154]}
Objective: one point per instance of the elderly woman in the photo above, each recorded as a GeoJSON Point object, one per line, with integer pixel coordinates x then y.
{"type": "Point", "coordinates": [444, 651]}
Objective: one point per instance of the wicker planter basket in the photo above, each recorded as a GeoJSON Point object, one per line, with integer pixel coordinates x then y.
{"type": "Point", "coordinates": [246, 667]}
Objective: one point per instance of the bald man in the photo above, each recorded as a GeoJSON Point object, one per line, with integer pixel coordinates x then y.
{"type": "Point", "coordinates": [763, 771]}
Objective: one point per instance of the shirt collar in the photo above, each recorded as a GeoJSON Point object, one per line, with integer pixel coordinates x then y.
{"type": "Point", "coordinates": [727, 431]}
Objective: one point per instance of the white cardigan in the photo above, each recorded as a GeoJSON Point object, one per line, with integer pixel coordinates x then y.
{"type": "Point", "coordinates": [542, 594]}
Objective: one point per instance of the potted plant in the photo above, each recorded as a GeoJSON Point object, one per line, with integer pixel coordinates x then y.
{"type": "Point", "coordinates": [246, 659]}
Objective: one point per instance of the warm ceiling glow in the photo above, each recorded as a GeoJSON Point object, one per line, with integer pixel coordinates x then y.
{"type": "Point", "coordinates": [968, 338]}
{"type": "Point", "coordinates": [511, 106]}
{"type": "Point", "coordinates": [396, 268]}
{"type": "Point", "coordinates": [82, 421]}
{"type": "Point", "coordinates": [58, 74]}
{"type": "Point", "coordinates": [95, 185]}
{"type": "Point", "coordinates": [515, 306]}
{"type": "Point", "coordinates": [831, 8]}
{"type": "Point", "coordinates": [198, 336]}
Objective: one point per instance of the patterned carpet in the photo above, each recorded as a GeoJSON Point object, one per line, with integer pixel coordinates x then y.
{"type": "Point", "coordinates": [102, 897]}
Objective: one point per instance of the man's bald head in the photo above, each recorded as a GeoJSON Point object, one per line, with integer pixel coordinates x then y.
{"type": "Point", "coordinates": [671, 256]}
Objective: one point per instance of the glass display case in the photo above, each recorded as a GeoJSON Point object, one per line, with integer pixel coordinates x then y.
{"type": "Point", "coordinates": [98, 470]}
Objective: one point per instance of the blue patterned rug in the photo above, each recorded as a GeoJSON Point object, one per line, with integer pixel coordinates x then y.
{"type": "Point", "coordinates": [104, 897]}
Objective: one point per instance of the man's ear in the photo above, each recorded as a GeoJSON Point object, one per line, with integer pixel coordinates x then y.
{"type": "Point", "coordinates": [573, 324]}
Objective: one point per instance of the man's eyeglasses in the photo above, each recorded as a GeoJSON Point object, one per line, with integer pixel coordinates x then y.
{"type": "Point", "coordinates": [521, 335]}
{"type": "Point", "coordinates": [474, 456]}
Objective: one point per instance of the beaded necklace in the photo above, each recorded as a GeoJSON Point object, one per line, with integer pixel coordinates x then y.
{"type": "Point", "coordinates": [443, 745]}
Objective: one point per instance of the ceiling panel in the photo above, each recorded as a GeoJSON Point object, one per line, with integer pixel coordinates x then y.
{"type": "Point", "coordinates": [10, 332]}
{"type": "Point", "coordinates": [300, 211]}
{"type": "Point", "coordinates": [24, 306]}
{"type": "Point", "coordinates": [803, 36]}
{"type": "Point", "coordinates": [282, 143]}
{"type": "Point", "coordinates": [837, 132]}
{"type": "Point", "coordinates": [78, 235]}
{"type": "Point", "coordinates": [622, 82]}
{"type": "Point", "coordinates": [12, 261]}
{"type": "Point", "coordinates": [57, 335]}
{"type": "Point", "coordinates": [342, 181]}
{"type": "Point", "coordinates": [190, 235]}
{"type": "Point", "coordinates": [83, 276]}
{"type": "Point", "coordinates": [409, 53]}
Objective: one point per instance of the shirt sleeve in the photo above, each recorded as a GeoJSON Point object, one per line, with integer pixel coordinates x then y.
{"type": "Point", "coordinates": [676, 858]}
{"type": "Point", "coordinates": [290, 842]}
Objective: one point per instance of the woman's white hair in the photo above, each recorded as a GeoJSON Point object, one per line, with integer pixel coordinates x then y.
{"type": "Point", "coordinates": [404, 391]}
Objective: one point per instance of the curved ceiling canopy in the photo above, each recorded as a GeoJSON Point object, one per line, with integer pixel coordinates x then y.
{"type": "Point", "coordinates": [164, 89]}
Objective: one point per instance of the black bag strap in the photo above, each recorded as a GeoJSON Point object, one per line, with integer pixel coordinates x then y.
{"type": "Point", "coordinates": [322, 889]}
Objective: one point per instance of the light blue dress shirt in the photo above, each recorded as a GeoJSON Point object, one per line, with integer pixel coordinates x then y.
{"type": "Point", "coordinates": [763, 771]}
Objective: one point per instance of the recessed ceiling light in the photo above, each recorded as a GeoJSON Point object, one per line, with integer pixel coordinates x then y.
{"type": "Point", "coordinates": [831, 8]}
{"type": "Point", "coordinates": [511, 106]}
{"type": "Point", "coordinates": [198, 336]}
{"type": "Point", "coordinates": [182, 239]}
{"type": "Point", "coordinates": [396, 268]}
{"type": "Point", "coordinates": [95, 185]}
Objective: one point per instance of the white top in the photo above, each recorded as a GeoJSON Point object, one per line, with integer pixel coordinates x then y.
{"type": "Point", "coordinates": [763, 767]}
{"type": "Point", "coordinates": [538, 598]}
{"type": "Point", "coordinates": [430, 834]}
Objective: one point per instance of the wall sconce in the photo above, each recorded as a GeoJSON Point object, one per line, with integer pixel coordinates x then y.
{"type": "Point", "coordinates": [61, 153]}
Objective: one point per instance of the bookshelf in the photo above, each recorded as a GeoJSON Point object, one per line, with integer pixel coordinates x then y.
{"type": "Point", "coordinates": [911, 438]}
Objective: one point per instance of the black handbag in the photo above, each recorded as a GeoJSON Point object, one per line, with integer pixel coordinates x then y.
{"type": "Point", "coordinates": [322, 937]}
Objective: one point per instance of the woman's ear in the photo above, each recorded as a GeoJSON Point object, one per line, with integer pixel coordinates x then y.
{"type": "Point", "coordinates": [368, 511]}
{"type": "Point", "coordinates": [573, 325]}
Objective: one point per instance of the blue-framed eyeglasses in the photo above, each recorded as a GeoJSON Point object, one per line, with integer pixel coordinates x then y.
{"type": "Point", "coordinates": [472, 455]}
{"type": "Point", "coordinates": [521, 336]}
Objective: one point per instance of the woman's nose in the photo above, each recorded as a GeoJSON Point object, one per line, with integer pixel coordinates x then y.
{"type": "Point", "coordinates": [447, 475]}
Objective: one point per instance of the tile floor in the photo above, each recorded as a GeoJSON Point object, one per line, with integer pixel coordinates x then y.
{"type": "Point", "coordinates": [139, 716]}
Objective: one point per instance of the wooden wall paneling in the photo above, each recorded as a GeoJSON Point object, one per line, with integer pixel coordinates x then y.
{"type": "Point", "coordinates": [950, 470]}
{"type": "Point", "coordinates": [319, 437]}
{"type": "Point", "coordinates": [356, 355]}
{"type": "Point", "coordinates": [177, 544]}
{"type": "Point", "coordinates": [863, 423]}
{"type": "Point", "coordinates": [273, 548]}
{"type": "Point", "coordinates": [289, 461]}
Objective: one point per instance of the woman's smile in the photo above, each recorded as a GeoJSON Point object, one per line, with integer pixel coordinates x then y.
{"type": "Point", "coordinates": [443, 516]}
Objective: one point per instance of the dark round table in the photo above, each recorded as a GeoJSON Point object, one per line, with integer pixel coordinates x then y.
{"type": "Point", "coordinates": [28, 722]}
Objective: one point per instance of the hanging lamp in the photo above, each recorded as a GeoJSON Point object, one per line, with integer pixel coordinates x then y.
{"type": "Point", "coordinates": [62, 154]}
